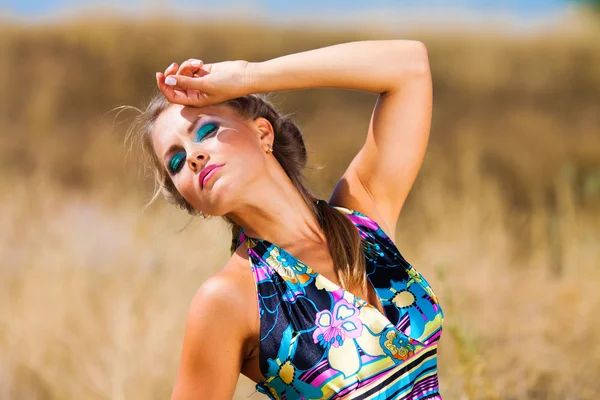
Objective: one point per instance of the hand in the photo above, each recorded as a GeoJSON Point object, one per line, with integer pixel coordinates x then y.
{"type": "Point", "coordinates": [198, 84]}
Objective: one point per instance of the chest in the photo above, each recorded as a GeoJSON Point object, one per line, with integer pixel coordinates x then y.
{"type": "Point", "coordinates": [316, 314]}
{"type": "Point", "coordinates": [317, 340]}
{"type": "Point", "coordinates": [316, 260]}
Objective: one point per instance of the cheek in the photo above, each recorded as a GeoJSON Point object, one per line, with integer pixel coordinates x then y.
{"type": "Point", "coordinates": [244, 150]}
{"type": "Point", "coordinates": [185, 186]}
{"type": "Point", "coordinates": [248, 164]}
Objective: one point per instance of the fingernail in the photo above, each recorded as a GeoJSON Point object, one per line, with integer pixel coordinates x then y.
{"type": "Point", "coordinates": [157, 75]}
{"type": "Point", "coordinates": [171, 81]}
{"type": "Point", "coordinates": [171, 66]}
{"type": "Point", "coordinates": [196, 63]}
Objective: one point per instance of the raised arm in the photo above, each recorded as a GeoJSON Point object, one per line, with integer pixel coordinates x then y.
{"type": "Point", "coordinates": [378, 66]}
{"type": "Point", "coordinates": [381, 175]}
{"type": "Point", "coordinates": [379, 178]}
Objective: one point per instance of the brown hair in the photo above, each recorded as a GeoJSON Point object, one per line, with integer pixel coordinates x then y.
{"type": "Point", "coordinates": [343, 239]}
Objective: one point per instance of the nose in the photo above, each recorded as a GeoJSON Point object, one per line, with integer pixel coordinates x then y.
{"type": "Point", "coordinates": [196, 160]}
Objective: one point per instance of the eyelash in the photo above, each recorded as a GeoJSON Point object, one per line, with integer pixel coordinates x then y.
{"type": "Point", "coordinates": [213, 129]}
{"type": "Point", "coordinates": [175, 164]}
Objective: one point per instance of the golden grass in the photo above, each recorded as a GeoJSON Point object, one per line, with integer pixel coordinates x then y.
{"type": "Point", "coordinates": [503, 221]}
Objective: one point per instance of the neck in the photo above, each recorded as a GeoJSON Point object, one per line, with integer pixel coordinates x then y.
{"type": "Point", "coordinates": [278, 215]}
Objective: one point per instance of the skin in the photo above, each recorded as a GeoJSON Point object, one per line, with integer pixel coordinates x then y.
{"type": "Point", "coordinates": [222, 330]}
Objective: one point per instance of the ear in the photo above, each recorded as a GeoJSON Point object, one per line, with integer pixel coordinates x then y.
{"type": "Point", "coordinates": [265, 131]}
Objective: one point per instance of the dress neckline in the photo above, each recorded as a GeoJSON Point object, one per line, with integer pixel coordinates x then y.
{"type": "Point", "coordinates": [334, 286]}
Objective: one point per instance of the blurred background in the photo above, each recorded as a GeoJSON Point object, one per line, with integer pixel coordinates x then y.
{"type": "Point", "coordinates": [503, 220]}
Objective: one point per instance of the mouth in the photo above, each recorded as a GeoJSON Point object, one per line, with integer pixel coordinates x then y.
{"type": "Point", "coordinates": [207, 173]}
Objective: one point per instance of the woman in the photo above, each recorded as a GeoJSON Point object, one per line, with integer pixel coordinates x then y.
{"type": "Point", "coordinates": [316, 301]}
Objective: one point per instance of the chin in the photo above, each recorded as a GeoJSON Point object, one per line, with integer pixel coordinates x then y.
{"type": "Point", "coordinates": [217, 196]}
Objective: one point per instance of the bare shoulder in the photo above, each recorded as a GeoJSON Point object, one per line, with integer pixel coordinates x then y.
{"type": "Point", "coordinates": [227, 294]}
{"type": "Point", "coordinates": [218, 332]}
{"type": "Point", "coordinates": [217, 294]}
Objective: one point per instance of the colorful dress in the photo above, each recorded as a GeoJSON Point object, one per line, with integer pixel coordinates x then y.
{"type": "Point", "coordinates": [318, 341]}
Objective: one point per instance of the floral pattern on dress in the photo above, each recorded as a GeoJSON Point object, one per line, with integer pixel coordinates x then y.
{"type": "Point", "coordinates": [413, 300]}
{"type": "Point", "coordinates": [397, 345]}
{"type": "Point", "coordinates": [284, 374]}
{"type": "Point", "coordinates": [321, 341]}
{"type": "Point", "coordinates": [293, 272]}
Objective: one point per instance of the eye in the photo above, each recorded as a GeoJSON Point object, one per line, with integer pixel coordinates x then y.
{"type": "Point", "coordinates": [176, 162]}
{"type": "Point", "coordinates": [206, 130]}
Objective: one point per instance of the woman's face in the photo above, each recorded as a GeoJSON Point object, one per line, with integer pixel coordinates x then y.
{"type": "Point", "coordinates": [190, 141]}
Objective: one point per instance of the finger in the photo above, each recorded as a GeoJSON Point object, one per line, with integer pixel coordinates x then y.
{"type": "Point", "coordinates": [186, 83]}
{"type": "Point", "coordinates": [204, 70]}
{"type": "Point", "coordinates": [172, 94]}
{"type": "Point", "coordinates": [171, 69]}
{"type": "Point", "coordinates": [184, 97]}
{"type": "Point", "coordinates": [167, 91]}
{"type": "Point", "coordinates": [190, 67]}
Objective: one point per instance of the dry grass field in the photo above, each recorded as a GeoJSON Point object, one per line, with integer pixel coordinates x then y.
{"type": "Point", "coordinates": [504, 219]}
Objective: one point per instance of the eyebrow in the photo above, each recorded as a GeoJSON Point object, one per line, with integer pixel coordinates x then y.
{"type": "Point", "coordinates": [194, 122]}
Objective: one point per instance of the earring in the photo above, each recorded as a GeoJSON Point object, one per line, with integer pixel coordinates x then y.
{"type": "Point", "coordinates": [269, 150]}
{"type": "Point", "coordinates": [202, 215]}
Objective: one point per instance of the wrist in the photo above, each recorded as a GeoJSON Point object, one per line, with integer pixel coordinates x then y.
{"type": "Point", "coordinates": [253, 77]}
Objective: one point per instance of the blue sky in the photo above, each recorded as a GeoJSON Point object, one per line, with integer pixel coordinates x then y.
{"type": "Point", "coordinates": [523, 9]}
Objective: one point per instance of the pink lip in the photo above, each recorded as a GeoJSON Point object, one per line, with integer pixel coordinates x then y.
{"type": "Point", "coordinates": [207, 173]}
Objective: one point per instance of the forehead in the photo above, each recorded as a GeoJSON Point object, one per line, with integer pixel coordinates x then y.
{"type": "Point", "coordinates": [177, 118]}
{"type": "Point", "coordinates": [174, 122]}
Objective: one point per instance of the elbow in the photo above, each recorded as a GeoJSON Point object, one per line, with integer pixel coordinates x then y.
{"type": "Point", "coordinates": [423, 56]}
{"type": "Point", "coordinates": [410, 64]}
{"type": "Point", "coordinates": [410, 59]}
{"type": "Point", "coordinates": [419, 59]}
